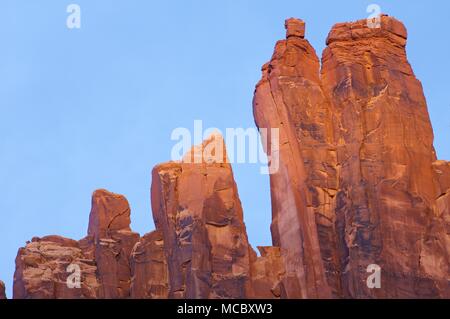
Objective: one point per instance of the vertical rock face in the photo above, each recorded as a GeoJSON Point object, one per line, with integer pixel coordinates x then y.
{"type": "Point", "coordinates": [199, 249]}
{"type": "Point", "coordinates": [357, 144]}
{"type": "Point", "coordinates": [149, 268]}
{"type": "Point", "coordinates": [44, 265]}
{"type": "Point", "coordinates": [2, 290]}
{"type": "Point", "coordinates": [267, 273]}
{"type": "Point", "coordinates": [112, 239]}
{"type": "Point", "coordinates": [197, 208]}
{"type": "Point", "coordinates": [387, 193]}
{"type": "Point", "coordinates": [289, 97]}
{"type": "Point", "coordinates": [110, 213]}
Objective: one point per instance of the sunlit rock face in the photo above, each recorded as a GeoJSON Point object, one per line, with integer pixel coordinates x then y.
{"type": "Point", "coordinates": [358, 179]}
{"type": "Point", "coordinates": [357, 187]}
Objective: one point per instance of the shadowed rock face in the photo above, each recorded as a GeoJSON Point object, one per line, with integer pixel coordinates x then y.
{"type": "Point", "coordinates": [358, 184]}
{"type": "Point", "coordinates": [289, 97]}
{"type": "Point", "coordinates": [103, 257]}
{"type": "Point", "coordinates": [357, 165]}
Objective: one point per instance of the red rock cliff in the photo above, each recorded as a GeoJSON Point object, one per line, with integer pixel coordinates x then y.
{"type": "Point", "coordinates": [358, 184]}
{"type": "Point", "coordinates": [358, 181]}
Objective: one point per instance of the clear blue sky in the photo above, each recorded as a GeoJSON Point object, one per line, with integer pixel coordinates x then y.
{"type": "Point", "coordinates": [95, 107]}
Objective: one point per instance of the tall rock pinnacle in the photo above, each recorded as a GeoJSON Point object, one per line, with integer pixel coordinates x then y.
{"type": "Point", "coordinates": [358, 179]}
{"type": "Point", "coordinates": [289, 97]}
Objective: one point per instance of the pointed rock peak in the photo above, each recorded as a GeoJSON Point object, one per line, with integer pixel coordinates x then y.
{"type": "Point", "coordinates": [383, 26]}
{"type": "Point", "coordinates": [2, 290]}
{"type": "Point", "coordinates": [295, 28]}
{"type": "Point", "coordinates": [109, 212]}
{"type": "Point", "coordinates": [211, 150]}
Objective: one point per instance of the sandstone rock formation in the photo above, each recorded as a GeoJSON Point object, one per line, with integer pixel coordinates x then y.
{"type": "Point", "coordinates": [149, 274]}
{"type": "Point", "coordinates": [289, 97]}
{"type": "Point", "coordinates": [42, 270]}
{"type": "Point", "coordinates": [206, 244]}
{"type": "Point", "coordinates": [358, 183]}
{"type": "Point", "coordinates": [2, 290]}
{"type": "Point", "coordinates": [44, 266]}
{"type": "Point", "coordinates": [199, 249]}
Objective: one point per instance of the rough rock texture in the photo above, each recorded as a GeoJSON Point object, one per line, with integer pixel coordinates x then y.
{"type": "Point", "coordinates": [356, 184]}
{"type": "Point", "coordinates": [103, 257]}
{"type": "Point", "coordinates": [2, 290]}
{"type": "Point", "coordinates": [149, 268]}
{"type": "Point", "coordinates": [109, 232]}
{"type": "Point", "coordinates": [199, 249]}
{"type": "Point", "coordinates": [206, 244]}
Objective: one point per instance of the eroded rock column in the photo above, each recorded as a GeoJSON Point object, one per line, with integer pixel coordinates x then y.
{"type": "Point", "coordinates": [109, 232]}
{"type": "Point", "coordinates": [289, 97]}
{"type": "Point", "coordinates": [149, 268]}
{"type": "Point", "coordinates": [197, 208]}
{"type": "Point", "coordinates": [386, 198]}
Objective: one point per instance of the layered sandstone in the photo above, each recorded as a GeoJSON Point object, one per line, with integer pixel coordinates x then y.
{"type": "Point", "coordinates": [45, 265]}
{"type": "Point", "coordinates": [289, 97]}
{"type": "Point", "coordinates": [356, 164]}
{"type": "Point", "coordinates": [267, 274]}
